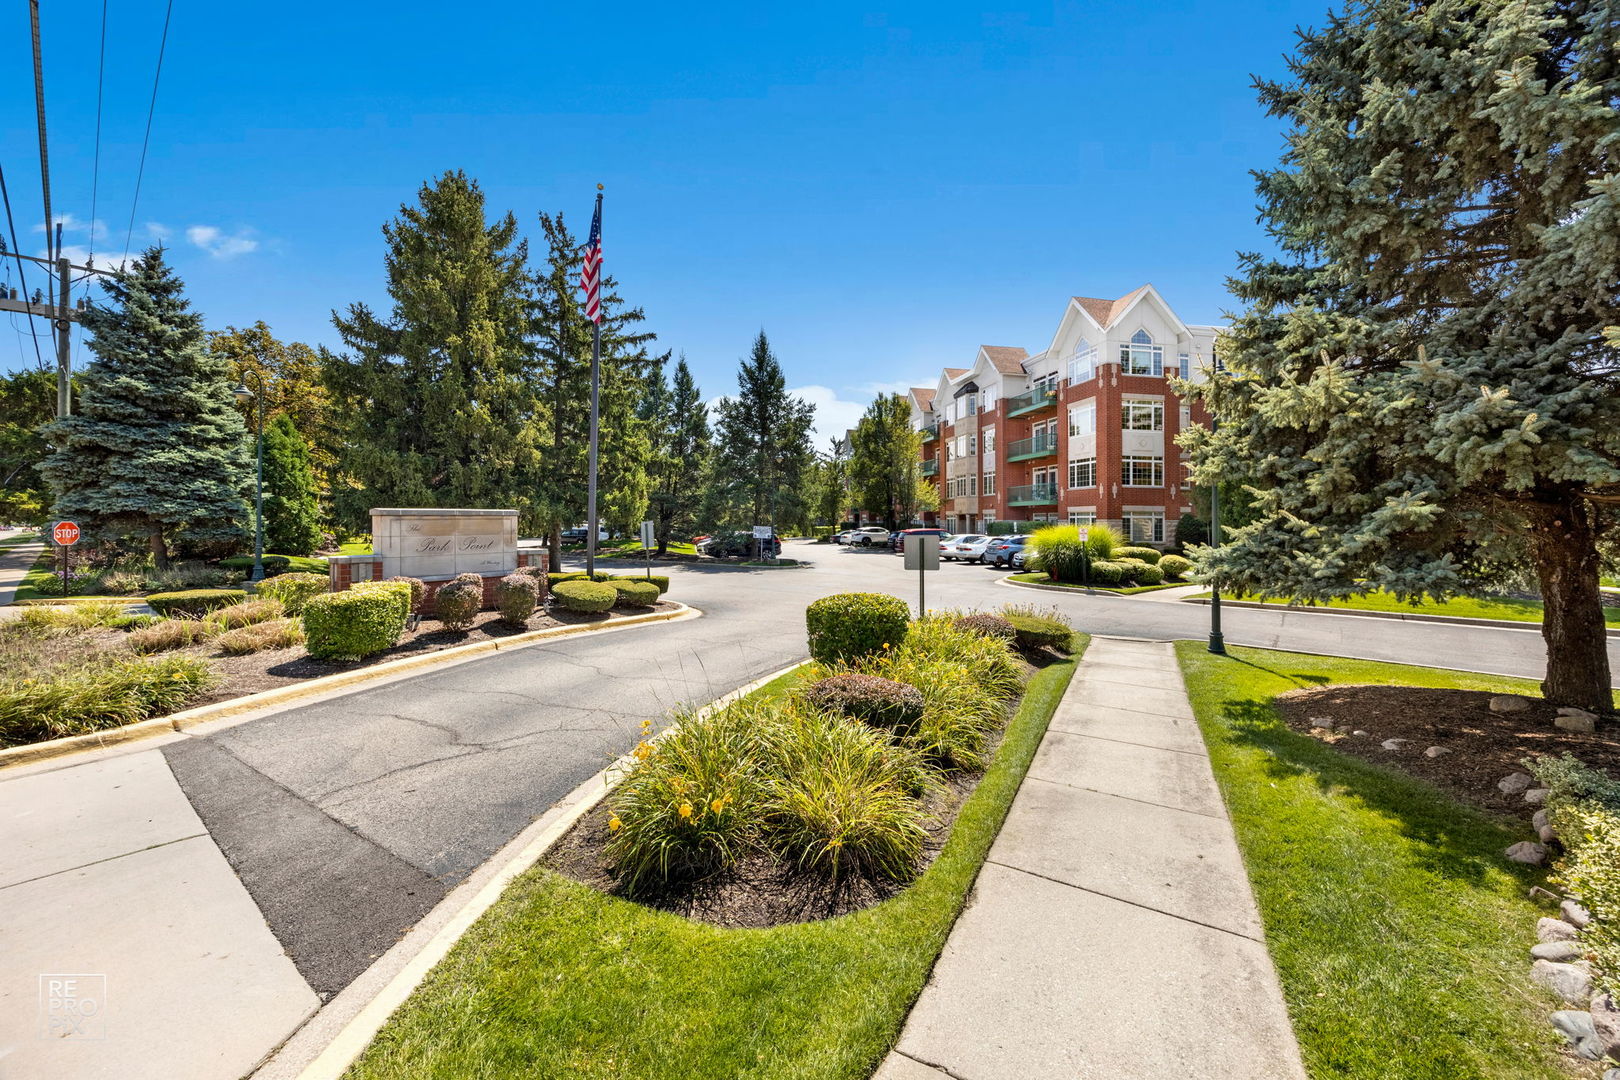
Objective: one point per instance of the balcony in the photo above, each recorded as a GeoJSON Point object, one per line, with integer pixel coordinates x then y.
{"type": "Point", "coordinates": [1032, 495]}
{"type": "Point", "coordinates": [930, 467]}
{"type": "Point", "coordinates": [930, 432]}
{"type": "Point", "coordinates": [1036, 399]}
{"type": "Point", "coordinates": [1039, 446]}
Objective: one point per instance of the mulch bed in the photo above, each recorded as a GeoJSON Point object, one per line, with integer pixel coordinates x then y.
{"type": "Point", "coordinates": [255, 672]}
{"type": "Point", "coordinates": [760, 891]}
{"type": "Point", "coordinates": [1485, 746]}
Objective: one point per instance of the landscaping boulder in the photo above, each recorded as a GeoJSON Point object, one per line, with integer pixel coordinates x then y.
{"type": "Point", "coordinates": [1554, 930]}
{"type": "Point", "coordinates": [1538, 820]}
{"type": "Point", "coordinates": [1574, 914]}
{"type": "Point", "coordinates": [1536, 796]}
{"type": "Point", "coordinates": [1528, 852]}
{"type": "Point", "coordinates": [1394, 744]}
{"type": "Point", "coordinates": [1509, 703]}
{"type": "Point", "coordinates": [1436, 751]}
{"type": "Point", "coordinates": [1514, 783]}
{"type": "Point", "coordinates": [1570, 710]}
{"type": "Point", "coordinates": [1572, 984]}
{"type": "Point", "coordinates": [1578, 1029]}
{"type": "Point", "coordinates": [1546, 835]}
{"type": "Point", "coordinates": [1606, 1019]}
{"type": "Point", "coordinates": [1585, 724]}
{"type": "Point", "coordinates": [1556, 952]}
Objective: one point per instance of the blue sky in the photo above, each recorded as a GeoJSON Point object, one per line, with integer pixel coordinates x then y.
{"type": "Point", "coordinates": [882, 188]}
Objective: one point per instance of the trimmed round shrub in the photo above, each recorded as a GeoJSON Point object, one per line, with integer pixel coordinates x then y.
{"type": "Point", "coordinates": [293, 590]}
{"type": "Point", "coordinates": [660, 580]}
{"type": "Point", "coordinates": [516, 595]}
{"type": "Point", "coordinates": [1175, 567]}
{"type": "Point", "coordinates": [1106, 573]}
{"type": "Point", "coordinates": [168, 634]}
{"type": "Point", "coordinates": [194, 601]}
{"type": "Point", "coordinates": [1143, 574]}
{"type": "Point", "coordinates": [872, 700]}
{"type": "Point", "coordinates": [275, 634]}
{"type": "Point", "coordinates": [418, 589]}
{"type": "Point", "coordinates": [245, 614]}
{"type": "Point", "coordinates": [1148, 555]}
{"type": "Point", "coordinates": [989, 625]}
{"type": "Point", "coordinates": [469, 578]}
{"type": "Point", "coordinates": [458, 603]}
{"type": "Point", "coordinates": [1038, 632]}
{"type": "Point", "coordinates": [362, 621]}
{"type": "Point", "coordinates": [849, 627]}
{"type": "Point", "coordinates": [634, 593]}
{"type": "Point", "coordinates": [585, 595]}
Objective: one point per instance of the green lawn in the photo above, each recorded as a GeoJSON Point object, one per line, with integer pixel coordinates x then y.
{"type": "Point", "coordinates": [1496, 607]}
{"type": "Point", "coordinates": [20, 538]}
{"type": "Point", "coordinates": [1400, 933]}
{"type": "Point", "coordinates": [630, 548]}
{"type": "Point", "coordinates": [560, 980]}
{"type": "Point", "coordinates": [355, 547]}
{"type": "Point", "coordinates": [1130, 590]}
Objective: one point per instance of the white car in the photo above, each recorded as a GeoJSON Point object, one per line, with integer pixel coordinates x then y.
{"type": "Point", "coordinates": [867, 535]}
{"type": "Point", "coordinates": [969, 547]}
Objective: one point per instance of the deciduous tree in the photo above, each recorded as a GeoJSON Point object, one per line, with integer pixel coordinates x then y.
{"type": "Point", "coordinates": [885, 461]}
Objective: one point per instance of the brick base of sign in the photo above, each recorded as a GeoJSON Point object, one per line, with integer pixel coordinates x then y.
{"type": "Point", "coordinates": [349, 570]}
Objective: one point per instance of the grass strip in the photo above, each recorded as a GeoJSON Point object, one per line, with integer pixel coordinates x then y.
{"type": "Point", "coordinates": [560, 980]}
{"type": "Point", "coordinates": [1399, 932]}
{"type": "Point", "coordinates": [1127, 590]}
{"type": "Point", "coordinates": [1464, 607]}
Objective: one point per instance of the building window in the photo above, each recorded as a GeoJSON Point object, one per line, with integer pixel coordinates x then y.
{"type": "Point", "coordinates": [1186, 417]}
{"type": "Point", "coordinates": [1142, 471]}
{"type": "Point", "coordinates": [989, 484]}
{"type": "Point", "coordinates": [970, 404]}
{"type": "Point", "coordinates": [989, 442]}
{"type": "Point", "coordinates": [1143, 415]}
{"type": "Point", "coordinates": [1083, 474]}
{"type": "Point", "coordinates": [1144, 526]}
{"type": "Point", "coordinates": [973, 444]}
{"type": "Point", "coordinates": [989, 399]}
{"type": "Point", "coordinates": [972, 483]}
{"type": "Point", "coordinates": [1082, 517]}
{"type": "Point", "coordinates": [1141, 356]}
{"type": "Point", "coordinates": [1183, 364]}
{"type": "Point", "coordinates": [1083, 419]}
{"type": "Point", "coordinates": [1083, 364]}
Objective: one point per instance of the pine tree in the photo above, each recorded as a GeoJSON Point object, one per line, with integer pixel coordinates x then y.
{"type": "Point", "coordinates": [157, 447]}
{"type": "Point", "coordinates": [885, 461]}
{"type": "Point", "coordinates": [678, 421]}
{"type": "Point", "coordinates": [561, 377]}
{"type": "Point", "coordinates": [1425, 386]}
{"type": "Point", "coordinates": [291, 513]}
{"type": "Point", "coordinates": [762, 445]}
{"type": "Point", "coordinates": [435, 406]}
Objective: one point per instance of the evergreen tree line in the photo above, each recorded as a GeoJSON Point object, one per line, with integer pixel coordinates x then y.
{"type": "Point", "coordinates": [473, 389]}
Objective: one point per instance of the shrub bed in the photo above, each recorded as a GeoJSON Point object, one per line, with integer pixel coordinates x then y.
{"type": "Point", "coordinates": [1584, 810]}
{"type": "Point", "coordinates": [870, 699]}
{"type": "Point", "coordinates": [1147, 555]}
{"type": "Point", "coordinates": [245, 614]}
{"type": "Point", "coordinates": [848, 627]}
{"type": "Point", "coordinates": [194, 601]}
{"type": "Point", "coordinates": [356, 623]}
{"type": "Point", "coordinates": [458, 603]}
{"type": "Point", "coordinates": [294, 590]}
{"type": "Point", "coordinates": [1142, 573]}
{"type": "Point", "coordinates": [634, 593]}
{"type": "Point", "coordinates": [587, 596]}
{"type": "Point", "coordinates": [990, 625]}
{"type": "Point", "coordinates": [275, 634]}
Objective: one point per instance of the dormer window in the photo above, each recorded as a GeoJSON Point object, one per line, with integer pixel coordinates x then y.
{"type": "Point", "coordinates": [1083, 365]}
{"type": "Point", "coordinates": [1141, 356]}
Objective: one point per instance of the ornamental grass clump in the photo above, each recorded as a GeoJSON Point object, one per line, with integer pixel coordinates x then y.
{"type": "Point", "coordinates": [983, 622]}
{"type": "Point", "coordinates": [109, 694]}
{"type": "Point", "coordinates": [516, 596]}
{"type": "Point", "coordinates": [879, 702]}
{"type": "Point", "coordinates": [170, 634]}
{"type": "Point", "coordinates": [90, 615]}
{"type": "Point", "coordinates": [959, 711]}
{"type": "Point", "coordinates": [293, 590]}
{"type": "Point", "coordinates": [838, 799]}
{"type": "Point", "coordinates": [849, 627]}
{"type": "Point", "coordinates": [275, 634]}
{"type": "Point", "coordinates": [1059, 552]}
{"type": "Point", "coordinates": [245, 614]}
{"type": "Point", "coordinates": [689, 805]}
{"type": "Point", "coordinates": [940, 639]}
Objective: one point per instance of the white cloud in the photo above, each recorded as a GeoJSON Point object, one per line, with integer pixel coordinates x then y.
{"type": "Point", "coordinates": [834, 415]}
{"type": "Point", "coordinates": [217, 243]}
{"type": "Point", "coordinates": [898, 386]}
{"type": "Point", "coordinates": [71, 225]}
{"type": "Point", "coordinates": [158, 231]}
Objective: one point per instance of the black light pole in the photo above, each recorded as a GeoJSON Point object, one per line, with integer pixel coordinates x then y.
{"type": "Point", "coordinates": [1217, 641]}
{"type": "Point", "coordinates": [242, 393]}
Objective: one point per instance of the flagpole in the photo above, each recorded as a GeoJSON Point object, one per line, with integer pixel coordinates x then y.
{"type": "Point", "coordinates": [596, 395]}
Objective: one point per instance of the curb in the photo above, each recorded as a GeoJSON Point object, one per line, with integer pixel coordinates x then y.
{"type": "Point", "coordinates": [1455, 620]}
{"type": "Point", "coordinates": [281, 695]}
{"type": "Point", "coordinates": [359, 1011]}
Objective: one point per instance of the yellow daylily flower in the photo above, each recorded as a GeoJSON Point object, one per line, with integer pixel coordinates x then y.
{"type": "Point", "coordinates": [685, 810]}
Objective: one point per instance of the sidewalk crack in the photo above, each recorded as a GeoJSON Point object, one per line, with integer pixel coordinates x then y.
{"type": "Point", "coordinates": [108, 859]}
{"type": "Point", "coordinates": [929, 1064]}
{"type": "Point", "coordinates": [1123, 900]}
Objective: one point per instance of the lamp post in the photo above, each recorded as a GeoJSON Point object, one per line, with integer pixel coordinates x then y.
{"type": "Point", "coordinates": [242, 393]}
{"type": "Point", "coordinates": [1217, 641]}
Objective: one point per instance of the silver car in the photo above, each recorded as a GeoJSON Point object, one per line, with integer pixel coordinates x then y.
{"type": "Point", "coordinates": [969, 547]}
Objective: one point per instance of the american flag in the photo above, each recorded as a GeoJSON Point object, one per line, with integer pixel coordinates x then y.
{"type": "Point", "coordinates": [590, 276]}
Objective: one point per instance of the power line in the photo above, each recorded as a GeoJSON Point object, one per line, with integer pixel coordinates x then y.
{"type": "Point", "coordinates": [22, 276]}
{"type": "Point", "coordinates": [95, 174]}
{"type": "Point", "coordinates": [150, 109]}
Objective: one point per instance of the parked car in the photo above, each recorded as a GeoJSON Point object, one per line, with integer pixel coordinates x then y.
{"type": "Point", "coordinates": [737, 545]}
{"type": "Point", "coordinates": [578, 534]}
{"type": "Point", "coordinates": [1001, 550]}
{"type": "Point", "coordinates": [867, 535]}
{"type": "Point", "coordinates": [1020, 557]}
{"type": "Point", "coordinates": [897, 541]}
{"type": "Point", "coordinates": [969, 547]}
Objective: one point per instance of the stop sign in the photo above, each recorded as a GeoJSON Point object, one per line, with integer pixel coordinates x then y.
{"type": "Point", "coordinates": [65, 533]}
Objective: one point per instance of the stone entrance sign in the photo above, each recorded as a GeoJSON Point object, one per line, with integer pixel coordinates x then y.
{"type": "Point", "coordinates": [428, 544]}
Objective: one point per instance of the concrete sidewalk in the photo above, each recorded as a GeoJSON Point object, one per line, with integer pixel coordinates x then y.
{"type": "Point", "coordinates": [1112, 933]}
{"type": "Point", "coordinates": [15, 562]}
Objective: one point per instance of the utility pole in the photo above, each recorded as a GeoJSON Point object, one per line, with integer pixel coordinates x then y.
{"type": "Point", "coordinates": [62, 315]}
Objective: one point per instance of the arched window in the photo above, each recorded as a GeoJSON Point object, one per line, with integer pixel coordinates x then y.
{"type": "Point", "coordinates": [1141, 356]}
{"type": "Point", "coordinates": [1083, 364]}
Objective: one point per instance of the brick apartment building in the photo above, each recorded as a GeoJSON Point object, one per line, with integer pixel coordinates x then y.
{"type": "Point", "coordinates": [1083, 431]}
